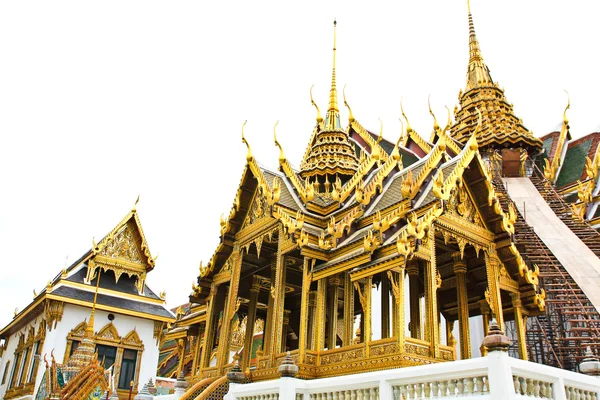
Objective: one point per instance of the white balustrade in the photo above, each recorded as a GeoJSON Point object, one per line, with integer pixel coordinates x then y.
{"type": "Point", "coordinates": [443, 388]}
{"type": "Point", "coordinates": [495, 376]}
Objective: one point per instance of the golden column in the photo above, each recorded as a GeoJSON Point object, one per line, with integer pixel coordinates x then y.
{"type": "Point", "coordinates": [396, 280]}
{"type": "Point", "coordinates": [284, 329]}
{"type": "Point", "coordinates": [312, 320]}
{"type": "Point", "coordinates": [460, 269]}
{"type": "Point", "coordinates": [431, 287]}
{"type": "Point", "coordinates": [319, 328]}
{"type": "Point", "coordinates": [230, 308]}
{"type": "Point", "coordinates": [492, 264]}
{"type": "Point", "coordinates": [485, 319]}
{"type": "Point", "coordinates": [415, 309]}
{"type": "Point", "coordinates": [305, 311]}
{"type": "Point", "coordinates": [348, 310]}
{"type": "Point", "coordinates": [278, 301]}
{"type": "Point", "coordinates": [250, 319]}
{"type": "Point", "coordinates": [385, 306]}
{"type": "Point", "coordinates": [209, 335]}
{"type": "Point", "coordinates": [364, 296]}
{"type": "Point", "coordinates": [519, 324]}
{"type": "Point", "coordinates": [269, 321]}
{"type": "Point", "coordinates": [332, 311]}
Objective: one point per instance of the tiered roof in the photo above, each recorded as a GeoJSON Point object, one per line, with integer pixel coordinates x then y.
{"type": "Point", "coordinates": [501, 127]}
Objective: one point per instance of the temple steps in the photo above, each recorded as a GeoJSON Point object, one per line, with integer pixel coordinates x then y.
{"type": "Point", "coordinates": [581, 229]}
{"type": "Point", "coordinates": [570, 322]}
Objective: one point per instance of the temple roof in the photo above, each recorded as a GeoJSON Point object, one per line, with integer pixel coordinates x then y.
{"type": "Point", "coordinates": [501, 127]}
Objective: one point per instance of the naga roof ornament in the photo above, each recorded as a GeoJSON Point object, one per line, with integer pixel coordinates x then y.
{"type": "Point", "coordinates": [330, 151]}
{"type": "Point", "coordinates": [501, 127]}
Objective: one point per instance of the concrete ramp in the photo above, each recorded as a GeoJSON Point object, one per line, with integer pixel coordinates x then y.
{"type": "Point", "coordinates": [579, 261]}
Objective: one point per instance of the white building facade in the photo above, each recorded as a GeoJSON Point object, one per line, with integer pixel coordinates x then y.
{"type": "Point", "coordinates": [128, 324]}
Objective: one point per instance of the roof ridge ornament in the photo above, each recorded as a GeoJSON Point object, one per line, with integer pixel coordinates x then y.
{"type": "Point", "coordinates": [350, 116]}
{"type": "Point", "coordinates": [281, 153]}
{"type": "Point", "coordinates": [319, 117]}
{"type": "Point", "coordinates": [249, 155]}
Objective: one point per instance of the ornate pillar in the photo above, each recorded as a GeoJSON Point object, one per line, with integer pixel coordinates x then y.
{"type": "Point", "coordinates": [396, 280]}
{"type": "Point", "coordinates": [305, 312]}
{"type": "Point", "coordinates": [319, 327]}
{"type": "Point", "coordinates": [284, 329]}
{"type": "Point", "coordinates": [250, 319]}
{"type": "Point", "coordinates": [312, 320]}
{"type": "Point", "coordinates": [519, 324]}
{"type": "Point", "coordinates": [415, 309]}
{"type": "Point", "coordinates": [364, 295]}
{"type": "Point", "coordinates": [450, 339]}
{"type": "Point", "coordinates": [492, 294]}
{"type": "Point", "coordinates": [278, 301]}
{"type": "Point", "coordinates": [348, 310]}
{"type": "Point", "coordinates": [230, 308]}
{"type": "Point", "coordinates": [209, 331]}
{"type": "Point", "coordinates": [385, 306]}
{"type": "Point", "coordinates": [332, 311]}
{"type": "Point", "coordinates": [485, 319]}
{"type": "Point", "coordinates": [460, 269]}
{"type": "Point", "coordinates": [431, 303]}
{"type": "Point", "coordinates": [269, 321]}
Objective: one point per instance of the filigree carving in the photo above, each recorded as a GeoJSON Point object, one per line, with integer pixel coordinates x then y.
{"type": "Point", "coordinates": [123, 246]}
{"type": "Point", "coordinates": [53, 312]}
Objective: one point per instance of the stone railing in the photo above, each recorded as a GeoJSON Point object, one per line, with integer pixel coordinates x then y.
{"type": "Point", "coordinates": [495, 376]}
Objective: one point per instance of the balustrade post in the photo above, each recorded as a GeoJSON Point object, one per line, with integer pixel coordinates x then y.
{"type": "Point", "coordinates": [500, 377]}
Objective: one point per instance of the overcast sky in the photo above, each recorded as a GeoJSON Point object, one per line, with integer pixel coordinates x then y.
{"type": "Point", "coordinates": [102, 101]}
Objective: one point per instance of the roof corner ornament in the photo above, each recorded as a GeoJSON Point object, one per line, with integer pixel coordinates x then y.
{"type": "Point", "coordinates": [281, 153]}
{"type": "Point", "coordinates": [350, 116]}
{"type": "Point", "coordinates": [319, 117]}
{"type": "Point", "coordinates": [134, 209]}
{"type": "Point", "coordinates": [249, 155]}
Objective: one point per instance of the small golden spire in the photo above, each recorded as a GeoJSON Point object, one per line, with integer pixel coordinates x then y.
{"type": "Point", "coordinates": [319, 117]}
{"type": "Point", "coordinates": [136, 203]}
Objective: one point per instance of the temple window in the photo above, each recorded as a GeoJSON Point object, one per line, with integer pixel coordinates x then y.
{"type": "Point", "coordinates": [127, 368]}
{"type": "Point", "coordinates": [5, 372]}
{"type": "Point", "coordinates": [106, 355]}
{"type": "Point", "coordinates": [125, 353]}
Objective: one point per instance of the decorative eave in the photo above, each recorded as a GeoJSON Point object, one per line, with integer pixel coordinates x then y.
{"type": "Point", "coordinates": [368, 139]}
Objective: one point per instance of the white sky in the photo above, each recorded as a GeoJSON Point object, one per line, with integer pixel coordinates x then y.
{"type": "Point", "coordinates": [100, 101]}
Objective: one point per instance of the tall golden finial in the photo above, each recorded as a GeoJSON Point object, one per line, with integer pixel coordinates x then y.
{"type": "Point", "coordinates": [136, 203]}
{"type": "Point", "coordinates": [333, 106]}
{"type": "Point", "coordinates": [319, 117]}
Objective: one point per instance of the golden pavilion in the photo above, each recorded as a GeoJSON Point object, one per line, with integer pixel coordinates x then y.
{"type": "Point", "coordinates": [427, 225]}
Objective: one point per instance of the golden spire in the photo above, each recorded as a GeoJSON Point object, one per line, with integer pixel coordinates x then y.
{"type": "Point", "coordinates": [333, 106]}
{"type": "Point", "coordinates": [332, 120]}
{"type": "Point", "coordinates": [477, 72]}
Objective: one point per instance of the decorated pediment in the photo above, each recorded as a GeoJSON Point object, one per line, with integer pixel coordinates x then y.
{"type": "Point", "coordinates": [124, 251]}
{"type": "Point", "coordinates": [461, 205]}
{"type": "Point", "coordinates": [258, 211]}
